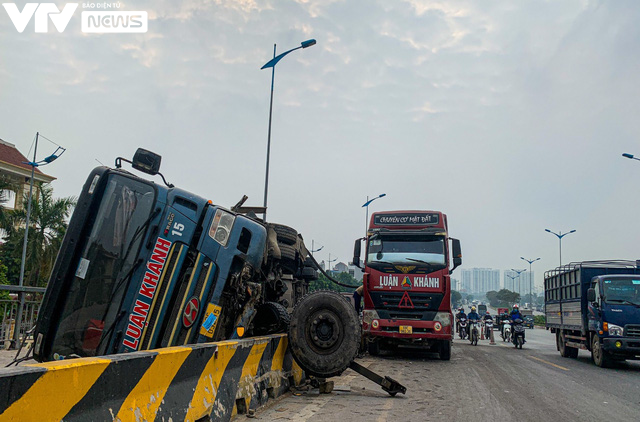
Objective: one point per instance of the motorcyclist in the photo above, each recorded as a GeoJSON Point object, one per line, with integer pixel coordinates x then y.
{"type": "Point", "coordinates": [459, 316]}
{"type": "Point", "coordinates": [473, 316]}
{"type": "Point", "coordinates": [515, 314]}
{"type": "Point", "coordinates": [485, 317]}
{"type": "Point", "coordinates": [504, 319]}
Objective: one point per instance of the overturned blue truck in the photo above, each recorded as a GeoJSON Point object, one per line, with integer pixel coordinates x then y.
{"type": "Point", "coordinates": [145, 265]}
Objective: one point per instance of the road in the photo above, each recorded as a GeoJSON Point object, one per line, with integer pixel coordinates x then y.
{"type": "Point", "coordinates": [480, 383]}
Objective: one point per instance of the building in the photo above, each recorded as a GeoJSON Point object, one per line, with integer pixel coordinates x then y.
{"type": "Point", "coordinates": [455, 284]}
{"type": "Point", "coordinates": [480, 280]}
{"type": "Point", "coordinates": [519, 284]}
{"type": "Point", "coordinates": [355, 272]}
{"type": "Point", "coordinates": [14, 170]}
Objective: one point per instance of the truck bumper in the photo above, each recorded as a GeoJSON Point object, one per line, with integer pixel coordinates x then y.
{"type": "Point", "coordinates": [622, 345]}
{"type": "Point", "coordinates": [421, 330]}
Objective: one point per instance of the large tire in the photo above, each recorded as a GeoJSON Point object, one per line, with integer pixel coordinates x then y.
{"type": "Point", "coordinates": [285, 234]}
{"type": "Point", "coordinates": [599, 356]}
{"type": "Point", "coordinates": [565, 351]}
{"type": "Point", "coordinates": [324, 333]}
{"type": "Point", "coordinates": [445, 350]}
{"type": "Point", "coordinates": [271, 318]}
{"type": "Point", "coordinates": [288, 260]}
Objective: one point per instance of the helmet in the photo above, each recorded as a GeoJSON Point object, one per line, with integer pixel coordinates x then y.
{"type": "Point", "coordinates": [487, 312]}
{"type": "Point", "coordinates": [515, 306]}
{"type": "Point", "coordinates": [473, 308]}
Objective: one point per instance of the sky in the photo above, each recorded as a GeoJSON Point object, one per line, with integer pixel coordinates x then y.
{"type": "Point", "coordinates": [510, 117]}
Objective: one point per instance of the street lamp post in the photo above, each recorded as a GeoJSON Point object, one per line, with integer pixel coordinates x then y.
{"type": "Point", "coordinates": [530, 261]}
{"type": "Point", "coordinates": [272, 64]}
{"type": "Point", "coordinates": [329, 262]}
{"type": "Point", "coordinates": [58, 152]}
{"type": "Point", "coordinates": [366, 205]}
{"type": "Point", "coordinates": [519, 272]}
{"type": "Point", "coordinates": [560, 236]}
{"type": "Point", "coordinates": [315, 250]}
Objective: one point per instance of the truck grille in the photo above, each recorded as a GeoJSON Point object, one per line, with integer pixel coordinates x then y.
{"type": "Point", "coordinates": [632, 330]}
{"type": "Point", "coordinates": [422, 306]}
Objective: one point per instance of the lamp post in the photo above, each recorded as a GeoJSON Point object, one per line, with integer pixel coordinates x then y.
{"type": "Point", "coordinates": [272, 64]}
{"type": "Point", "coordinates": [519, 285]}
{"type": "Point", "coordinates": [530, 261]}
{"type": "Point", "coordinates": [57, 153]}
{"type": "Point", "coordinates": [560, 236]}
{"type": "Point", "coordinates": [315, 250]}
{"type": "Point", "coordinates": [329, 262]}
{"type": "Point", "coordinates": [512, 277]}
{"type": "Point", "coordinates": [625, 155]}
{"type": "Point", "coordinates": [366, 205]}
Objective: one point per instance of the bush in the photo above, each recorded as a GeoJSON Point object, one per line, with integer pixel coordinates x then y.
{"type": "Point", "coordinates": [539, 320]}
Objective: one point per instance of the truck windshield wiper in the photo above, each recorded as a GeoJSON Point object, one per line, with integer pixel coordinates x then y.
{"type": "Point", "coordinates": [381, 262]}
{"type": "Point", "coordinates": [637, 305]}
{"type": "Point", "coordinates": [420, 261]}
{"type": "Point", "coordinates": [113, 324]}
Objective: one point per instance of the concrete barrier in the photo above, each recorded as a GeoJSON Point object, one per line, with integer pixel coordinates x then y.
{"type": "Point", "coordinates": [177, 383]}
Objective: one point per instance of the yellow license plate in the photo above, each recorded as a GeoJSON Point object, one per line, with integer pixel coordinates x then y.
{"type": "Point", "coordinates": [406, 329]}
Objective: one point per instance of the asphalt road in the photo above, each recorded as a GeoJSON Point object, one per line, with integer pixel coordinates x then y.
{"type": "Point", "coordinates": [480, 383]}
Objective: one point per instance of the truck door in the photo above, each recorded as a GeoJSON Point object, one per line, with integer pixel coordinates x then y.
{"type": "Point", "coordinates": [594, 313]}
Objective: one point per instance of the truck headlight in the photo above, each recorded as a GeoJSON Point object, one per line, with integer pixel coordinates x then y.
{"type": "Point", "coordinates": [615, 330]}
{"type": "Point", "coordinates": [221, 226]}
{"type": "Point", "coordinates": [443, 318]}
{"type": "Point", "coordinates": [369, 315]}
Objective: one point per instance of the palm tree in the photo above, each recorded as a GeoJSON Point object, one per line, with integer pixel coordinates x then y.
{"type": "Point", "coordinates": [47, 227]}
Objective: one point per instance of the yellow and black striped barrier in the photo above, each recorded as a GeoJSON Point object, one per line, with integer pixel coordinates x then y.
{"type": "Point", "coordinates": [177, 383]}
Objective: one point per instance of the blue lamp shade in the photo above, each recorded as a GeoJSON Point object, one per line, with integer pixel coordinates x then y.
{"type": "Point", "coordinates": [625, 155]}
{"type": "Point", "coordinates": [308, 43]}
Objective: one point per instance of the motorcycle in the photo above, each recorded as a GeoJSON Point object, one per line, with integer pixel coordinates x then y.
{"type": "Point", "coordinates": [518, 333]}
{"type": "Point", "coordinates": [488, 328]}
{"type": "Point", "coordinates": [463, 328]}
{"type": "Point", "coordinates": [473, 332]}
{"type": "Point", "coordinates": [506, 331]}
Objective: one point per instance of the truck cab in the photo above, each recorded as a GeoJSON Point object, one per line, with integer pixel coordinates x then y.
{"type": "Point", "coordinates": [406, 282]}
{"type": "Point", "coordinates": [146, 265]}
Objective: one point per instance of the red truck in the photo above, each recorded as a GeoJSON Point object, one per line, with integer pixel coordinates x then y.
{"type": "Point", "coordinates": [406, 283]}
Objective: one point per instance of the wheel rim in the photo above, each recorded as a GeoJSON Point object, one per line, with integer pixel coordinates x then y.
{"type": "Point", "coordinates": [597, 353]}
{"type": "Point", "coordinates": [325, 331]}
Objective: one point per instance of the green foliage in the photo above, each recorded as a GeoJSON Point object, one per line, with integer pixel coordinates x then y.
{"type": "Point", "coordinates": [456, 298]}
{"type": "Point", "coordinates": [539, 320]}
{"type": "Point", "coordinates": [3, 280]}
{"type": "Point", "coordinates": [47, 226]}
{"type": "Point", "coordinates": [470, 298]}
{"type": "Point", "coordinates": [323, 283]}
{"type": "Point", "coordinates": [503, 299]}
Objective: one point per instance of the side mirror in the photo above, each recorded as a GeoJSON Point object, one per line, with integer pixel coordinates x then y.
{"type": "Point", "coordinates": [356, 253]}
{"type": "Point", "coordinates": [146, 161]}
{"type": "Point", "coordinates": [591, 294]}
{"type": "Point", "coordinates": [456, 252]}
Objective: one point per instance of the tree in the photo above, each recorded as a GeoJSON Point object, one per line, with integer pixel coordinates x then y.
{"type": "Point", "coordinates": [323, 283]}
{"type": "Point", "coordinates": [492, 297]}
{"type": "Point", "coordinates": [47, 226]}
{"type": "Point", "coordinates": [507, 297]}
{"type": "Point", "coordinates": [456, 297]}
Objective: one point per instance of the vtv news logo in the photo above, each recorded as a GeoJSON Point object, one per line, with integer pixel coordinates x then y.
{"type": "Point", "coordinates": [43, 12]}
{"type": "Point", "coordinates": [99, 21]}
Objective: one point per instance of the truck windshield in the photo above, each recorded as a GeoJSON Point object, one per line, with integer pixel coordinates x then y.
{"type": "Point", "coordinates": [415, 250]}
{"type": "Point", "coordinates": [107, 259]}
{"type": "Point", "coordinates": [622, 290]}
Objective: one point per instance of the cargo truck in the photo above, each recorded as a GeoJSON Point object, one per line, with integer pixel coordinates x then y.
{"type": "Point", "coordinates": [595, 306]}
{"type": "Point", "coordinates": [407, 281]}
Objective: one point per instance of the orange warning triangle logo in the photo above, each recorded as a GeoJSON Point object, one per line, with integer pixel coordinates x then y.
{"type": "Point", "coordinates": [405, 302]}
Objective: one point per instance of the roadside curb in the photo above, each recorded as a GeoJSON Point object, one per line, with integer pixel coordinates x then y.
{"type": "Point", "coordinates": [176, 383]}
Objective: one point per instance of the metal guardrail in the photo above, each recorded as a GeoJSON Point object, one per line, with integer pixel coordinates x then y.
{"type": "Point", "coordinates": [8, 314]}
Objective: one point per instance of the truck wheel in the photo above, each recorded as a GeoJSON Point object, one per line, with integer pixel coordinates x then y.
{"type": "Point", "coordinates": [271, 318]}
{"type": "Point", "coordinates": [599, 356]}
{"type": "Point", "coordinates": [288, 260]}
{"type": "Point", "coordinates": [324, 333]}
{"type": "Point", "coordinates": [565, 351]}
{"type": "Point", "coordinates": [445, 350]}
{"type": "Point", "coordinates": [286, 234]}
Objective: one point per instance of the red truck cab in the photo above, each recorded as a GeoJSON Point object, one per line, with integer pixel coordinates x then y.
{"type": "Point", "coordinates": [407, 281]}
